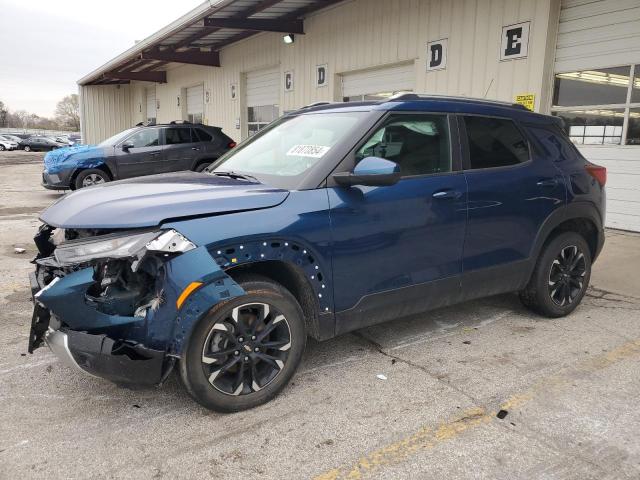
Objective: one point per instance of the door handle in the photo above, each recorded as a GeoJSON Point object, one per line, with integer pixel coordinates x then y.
{"type": "Point", "coordinates": [444, 194]}
{"type": "Point", "coordinates": [195, 148]}
{"type": "Point", "coordinates": [548, 182]}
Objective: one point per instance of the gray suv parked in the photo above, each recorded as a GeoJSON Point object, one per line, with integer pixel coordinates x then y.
{"type": "Point", "coordinates": [141, 150]}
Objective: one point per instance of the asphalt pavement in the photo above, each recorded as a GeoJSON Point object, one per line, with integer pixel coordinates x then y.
{"type": "Point", "coordinates": [485, 389]}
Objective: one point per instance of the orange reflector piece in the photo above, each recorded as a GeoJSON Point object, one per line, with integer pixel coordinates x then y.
{"type": "Point", "coordinates": [192, 287]}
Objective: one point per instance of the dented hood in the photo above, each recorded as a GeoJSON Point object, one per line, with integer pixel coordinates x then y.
{"type": "Point", "coordinates": [148, 201]}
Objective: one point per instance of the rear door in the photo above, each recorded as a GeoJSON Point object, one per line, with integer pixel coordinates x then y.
{"type": "Point", "coordinates": [512, 190]}
{"type": "Point", "coordinates": [143, 158]}
{"type": "Point", "coordinates": [181, 149]}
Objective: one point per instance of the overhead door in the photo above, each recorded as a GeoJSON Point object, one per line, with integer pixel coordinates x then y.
{"type": "Point", "coordinates": [379, 83]}
{"type": "Point", "coordinates": [263, 98]}
{"type": "Point", "coordinates": [597, 93]}
{"type": "Point", "coordinates": [195, 104]}
{"type": "Point", "coordinates": [151, 104]}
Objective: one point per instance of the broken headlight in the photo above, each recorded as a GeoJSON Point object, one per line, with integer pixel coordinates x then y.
{"type": "Point", "coordinates": [122, 246]}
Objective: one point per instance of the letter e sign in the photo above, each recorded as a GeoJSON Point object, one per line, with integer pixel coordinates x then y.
{"type": "Point", "coordinates": [437, 54]}
{"type": "Point", "coordinates": [515, 41]}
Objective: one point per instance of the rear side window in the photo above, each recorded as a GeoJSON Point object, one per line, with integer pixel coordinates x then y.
{"type": "Point", "coordinates": [494, 142]}
{"type": "Point", "coordinates": [175, 136]}
{"type": "Point", "coordinates": [556, 145]}
{"type": "Point", "coordinates": [202, 135]}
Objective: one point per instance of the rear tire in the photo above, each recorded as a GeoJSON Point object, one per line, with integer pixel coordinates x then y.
{"type": "Point", "coordinates": [238, 356]}
{"type": "Point", "coordinates": [560, 278]}
{"type": "Point", "coordinates": [27, 148]}
{"type": "Point", "coordinates": [2, 148]}
{"type": "Point", "coordinates": [202, 166]}
{"type": "Point", "coordinates": [90, 177]}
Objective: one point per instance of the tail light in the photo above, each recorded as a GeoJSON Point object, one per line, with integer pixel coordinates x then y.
{"type": "Point", "coordinates": [231, 144]}
{"type": "Point", "coordinates": [597, 172]}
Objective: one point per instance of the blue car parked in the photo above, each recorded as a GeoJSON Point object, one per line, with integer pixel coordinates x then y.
{"type": "Point", "coordinates": [333, 218]}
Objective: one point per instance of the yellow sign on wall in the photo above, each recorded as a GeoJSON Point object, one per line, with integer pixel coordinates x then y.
{"type": "Point", "coordinates": [527, 99]}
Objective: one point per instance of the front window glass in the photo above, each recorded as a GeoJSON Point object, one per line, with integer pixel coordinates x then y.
{"type": "Point", "coordinates": [418, 143]}
{"type": "Point", "coordinates": [291, 147]}
{"type": "Point", "coordinates": [144, 138]}
{"type": "Point", "coordinates": [111, 141]}
{"type": "Point", "coordinates": [494, 142]}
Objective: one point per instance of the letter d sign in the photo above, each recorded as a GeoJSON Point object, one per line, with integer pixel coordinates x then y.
{"type": "Point", "coordinates": [437, 54]}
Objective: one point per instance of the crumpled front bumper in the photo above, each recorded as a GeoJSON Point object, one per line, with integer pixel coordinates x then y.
{"type": "Point", "coordinates": [139, 350]}
{"type": "Point", "coordinates": [99, 355]}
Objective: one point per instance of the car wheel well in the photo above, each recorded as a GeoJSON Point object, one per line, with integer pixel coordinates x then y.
{"type": "Point", "coordinates": [293, 279]}
{"type": "Point", "coordinates": [582, 226]}
{"type": "Point", "coordinates": [103, 167]}
{"type": "Point", "coordinates": [204, 160]}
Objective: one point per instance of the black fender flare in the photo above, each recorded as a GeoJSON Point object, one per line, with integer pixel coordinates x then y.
{"type": "Point", "coordinates": [572, 211]}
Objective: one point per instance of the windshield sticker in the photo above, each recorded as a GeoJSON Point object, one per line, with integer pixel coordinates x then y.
{"type": "Point", "coordinates": [313, 151]}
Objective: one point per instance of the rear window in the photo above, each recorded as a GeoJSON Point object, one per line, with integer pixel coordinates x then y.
{"type": "Point", "coordinates": [202, 135]}
{"type": "Point", "coordinates": [494, 142]}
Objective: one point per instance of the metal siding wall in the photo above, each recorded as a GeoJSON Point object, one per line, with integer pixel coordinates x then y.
{"type": "Point", "coordinates": [597, 34]}
{"type": "Point", "coordinates": [106, 110]}
{"type": "Point", "coordinates": [365, 34]}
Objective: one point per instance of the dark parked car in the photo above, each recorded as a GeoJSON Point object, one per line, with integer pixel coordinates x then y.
{"type": "Point", "coordinates": [333, 218]}
{"type": "Point", "coordinates": [142, 150]}
{"type": "Point", "coordinates": [40, 144]}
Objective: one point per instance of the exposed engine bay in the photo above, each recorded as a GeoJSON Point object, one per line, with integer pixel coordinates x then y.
{"type": "Point", "coordinates": [128, 267]}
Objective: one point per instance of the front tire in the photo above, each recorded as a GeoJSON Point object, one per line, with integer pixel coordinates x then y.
{"type": "Point", "coordinates": [2, 149]}
{"type": "Point", "coordinates": [27, 148]}
{"type": "Point", "coordinates": [90, 177]}
{"type": "Point", "coordinates": [561, 276]}
{"type": "Point", "coordinates": [245, 351]}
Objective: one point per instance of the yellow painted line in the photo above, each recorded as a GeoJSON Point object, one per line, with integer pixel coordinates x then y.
{"type": "Point", "coordinates": [427, 437]}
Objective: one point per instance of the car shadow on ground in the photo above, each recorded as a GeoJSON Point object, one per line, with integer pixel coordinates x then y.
{"type": "Point", "coordinates": [323, 356]}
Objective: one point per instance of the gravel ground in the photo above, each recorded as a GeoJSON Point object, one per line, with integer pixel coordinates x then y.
{"type": "Point", "coordinates": [481, 390]}
{"type": "Point", "coordinates": [17, 157]}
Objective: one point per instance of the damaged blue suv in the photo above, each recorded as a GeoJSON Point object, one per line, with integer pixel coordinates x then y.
{"type": "Point", "coordinates": [333, 218]}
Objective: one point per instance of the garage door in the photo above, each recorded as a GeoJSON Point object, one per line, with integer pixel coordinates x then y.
{"type": "Point", "coordinates": [263, 98]}
{"type": "Point", "coordinates": [378, 84]}
{"type": "Point", "coordinates": [151, 104]}
{"type": "Point", "coordinates": [195, 104]}
{"type": "Point", "coordinates": [597, 65]}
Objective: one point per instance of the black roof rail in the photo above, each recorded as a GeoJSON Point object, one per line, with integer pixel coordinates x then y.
{"type": "Point", "coordinates": [179, 122]}
{"type": "Point", "coordinates": [421, 96]}
{"type": "Point", "coordinates": [315, 104]}
{"type": "Point", "coordinates": [145, 124]}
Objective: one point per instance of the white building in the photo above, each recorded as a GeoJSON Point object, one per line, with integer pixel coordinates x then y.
{"type": "Point", "coordinates": [226, 63]}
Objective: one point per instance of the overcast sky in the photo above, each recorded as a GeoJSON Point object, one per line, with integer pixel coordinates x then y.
{"type": "Point", "coordinates": [47, 45]}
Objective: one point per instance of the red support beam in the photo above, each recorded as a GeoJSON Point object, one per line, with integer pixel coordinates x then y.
{"type": "Point", "coordinates": [157, 77]}
{"type": "Point", "coordinates": [263, 5]}
{"type": "Point", "coordinates": [257, 25]}
{"type": "Point", "coordinates": [209, 59]}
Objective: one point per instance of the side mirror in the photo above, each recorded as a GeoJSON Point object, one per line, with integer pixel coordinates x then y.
{"type": "Point", "coordinates": [126, 146]}
{"type": "Point", "coordinates": [372, 172]}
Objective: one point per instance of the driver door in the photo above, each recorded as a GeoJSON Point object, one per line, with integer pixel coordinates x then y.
{"type": "Point", "coordinates": [397, 250]}
{"type": "Point", "coordinates": [144, 157]}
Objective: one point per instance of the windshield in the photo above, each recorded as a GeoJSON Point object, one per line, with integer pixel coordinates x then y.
{"type": "Point", "coordinates": [287, 150]}
{"type": "Point", "coordinates": [111, 141]}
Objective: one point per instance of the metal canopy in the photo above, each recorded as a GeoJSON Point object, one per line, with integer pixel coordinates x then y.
{"type": "Point", "coordinates": [197, 37]}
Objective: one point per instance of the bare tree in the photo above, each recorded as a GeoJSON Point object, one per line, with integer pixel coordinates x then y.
{"type": "Point", "coordinates": [3, 114]}
{"type": "Point", "coordinates": [68, 112]}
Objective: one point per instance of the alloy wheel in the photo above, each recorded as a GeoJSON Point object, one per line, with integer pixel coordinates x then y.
{"type": "Point", "coordinates": [566, 277]}
{"type": "Point", "coordinates": [247, 349]}
{"type": "Point", "coordinates": [92, 179]}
